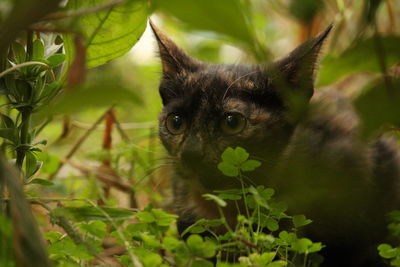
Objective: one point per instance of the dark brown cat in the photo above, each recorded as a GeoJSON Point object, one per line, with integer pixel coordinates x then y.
{"type": "Point", "coordinates": [310, 150]}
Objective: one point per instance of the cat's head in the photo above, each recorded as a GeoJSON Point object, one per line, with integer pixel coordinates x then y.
{"type": "Point", "coordinates": [208, 107]}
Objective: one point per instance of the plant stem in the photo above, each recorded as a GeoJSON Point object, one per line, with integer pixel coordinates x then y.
{"type": "Point", "coordinates": [244, 196]}
{"type": "Point", "coordinates": [23, 137]}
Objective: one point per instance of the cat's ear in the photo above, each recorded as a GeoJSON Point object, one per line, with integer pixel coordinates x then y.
{"type": "Point", "coordinates": [174, 60]}
{"type": "Point", "coordinates": [297, 69]}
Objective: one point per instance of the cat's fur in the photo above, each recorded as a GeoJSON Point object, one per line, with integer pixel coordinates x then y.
{"type": "Point", "coordinates": [311, 152]}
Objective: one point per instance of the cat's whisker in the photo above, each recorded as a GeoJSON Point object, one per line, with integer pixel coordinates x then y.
{"type": "Point", "coordinates": [238, 79]}
{"type": "Point", "coordinates": [150, 172]}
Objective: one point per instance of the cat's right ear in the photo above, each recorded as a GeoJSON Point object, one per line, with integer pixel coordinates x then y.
{"type": "Point", "coordinates": [174, 60]}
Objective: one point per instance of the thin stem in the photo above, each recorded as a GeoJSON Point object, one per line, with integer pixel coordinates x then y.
{"type": "Point", "coordinates": [221, 214]}
{"type": "Point", "coordinates": [121, 235]}
{"type": "Point", "coordinates": [24, 133]}
{"type": "Point", "coordinates": [25, 64]}
{"type": "Point", "coordinates": [80, 142]}
{"type": "Point", "coordinates": [244, 196]}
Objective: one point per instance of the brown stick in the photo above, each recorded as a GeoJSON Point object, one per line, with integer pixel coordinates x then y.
{"type": "Point", "coordinates": [121, 132]}
{"type": "Point", "coordinates": [104, 177]}
{"type": "Point", "coordinates": [80, 142]}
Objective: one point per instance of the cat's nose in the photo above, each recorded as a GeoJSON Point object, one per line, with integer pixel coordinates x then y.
{"type": "Point", "coordinates": [192, 151]}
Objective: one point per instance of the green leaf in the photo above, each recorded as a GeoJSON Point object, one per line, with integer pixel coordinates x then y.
{"type": "Point", "coordinates": [315, 247]}
{"type": "Point", "coordinates": [230, 196]}
{"type": "Point", "coordinates": [286, 237]}
{"type": "Point", "coordinates": [32, 165]}
{"type": "Point", "coordinates": [90, 95]}
{"type": "Point", "coordinates": [96, 228]}
{"type": "Point", "coordinates": [228, 17]}
{"type": "Point", "coordinates": [220, 202]}
{"type": "Point", "coordinates": [263, 259]}
{"type": "Point", "coordinates": [250, 165]}
{"type": "Point", "coordinates": [38, 50]}
{"type": "Point", "coordinates": [163, 218]}
{"type": "Point", "coordinates": [109, 33]}
{"type": "Point", "coordinates": [272, 224]}
{"type": "Point", "coordinates": [41, 182]}
{"type": "Point", "coordinates": [201, 263]}
{"type": "Point", "coordinates": [196, 228]}
{"type": "Point", "coordinates": [6, 121]}
{"type": "Point", "coordinates": [53, 236]}
{"type": "Point", "coordinates": [302, 245]}
{"type": "Point", "coordinates": [56, 59]}
{"type": "Point", "coordinates": [277, 264]}
{"type": "Point", "coordinates": [378, 106]}
{"type": "Point", "coordinates": [228, 169]}
{"type": "Point", "coordinates": [50, 162]}
{"type": "Point", "coordinates": [228, 155]}
{"type": "Point", "coordinates": [171, 243]}
{"type": "Point", "coordinates": [49, 90]}
{"type": "Point", "coordinates": [387, 251]}
{"type": "Point", "coordinates": [241, 155]}
{"type": "Point", "coordinates": [145, 216]}
{"type": "Point", "coordinates": [353, 60]}
{"type": "Point", "coordinates": [90, 213]}
{"type": "Point", "coordinates": [150, 241]}
{"type": "Point", "coordinates": [9, 134]}
{"type": "Point", "coordinates": [200, 248]}
{"type": "Point", "coordinates": [19, 53]}
{"type": "Point", "coordinates": [300, 220]}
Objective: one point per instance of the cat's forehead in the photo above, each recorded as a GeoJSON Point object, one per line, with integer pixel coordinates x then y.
{"type": "Point", "coordinates": [212, 78]}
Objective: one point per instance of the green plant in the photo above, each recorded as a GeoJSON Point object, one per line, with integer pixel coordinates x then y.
{"type": "Point", "coordinates": [257, 239]}
{"type": "Point", "coordinates": [29, 83]}
{"type": "Point", "coordinates": [387, 251]}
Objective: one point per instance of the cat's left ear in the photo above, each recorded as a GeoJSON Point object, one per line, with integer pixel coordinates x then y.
{"type": "Point", "coordinates": [297, 70]}
{"type": "Point", "coordinates": [174, 60]}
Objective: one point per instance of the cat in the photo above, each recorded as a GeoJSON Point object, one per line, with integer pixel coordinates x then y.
{"type": "Point", "coordinates": [308, 142]}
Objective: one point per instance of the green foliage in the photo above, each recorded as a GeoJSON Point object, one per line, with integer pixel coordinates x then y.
{"type": "Point", "coordinates": [236, 160]}
{"type": "Point", "coordinates": [228, 17]}
{"type": "Point", "coordinates": [109, 33]}
{"type": "Point", "coordinates": [353, 59]}
{"type": "Point", "coordinates": [379, 95]}
{"type": "Point", "coordinates": [387, 251]}
{"type": "Point", "coordinates": [89, 213]}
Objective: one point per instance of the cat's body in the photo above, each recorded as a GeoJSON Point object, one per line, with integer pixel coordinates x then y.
{"type": "Point", "coordinates": [311, 152]}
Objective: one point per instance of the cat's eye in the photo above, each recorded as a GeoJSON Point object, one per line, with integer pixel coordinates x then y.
{"type": "Point", "coordinates": [233, 123]}
{"type": "Point", "coordinates": [175, 123]}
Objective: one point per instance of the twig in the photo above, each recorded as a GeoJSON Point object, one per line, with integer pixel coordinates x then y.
{"type": "Point", "coordinates": [80, 142]}
{"type": "Point", "coordinates": [106, 178]}
{"type": "Point", "coordinates": [124, 126]}
{"type": "Point", "coordinates": [69, 229]}
{"type": "Point", "coordinates": [121, 132]}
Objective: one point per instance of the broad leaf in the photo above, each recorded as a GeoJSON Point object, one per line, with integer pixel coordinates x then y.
{"type": "Point", "coordinates": [228, 17]}
{"type": "Point", "coordinates": [38, 50]}
{"type": "Point", "coordinates": [378, 106]}
{"type": "Point", "coordinates": [90, 213]}
{"type": "Point", "coordinates": [56, 59]}
{"type": "Point", "coordinates": [111, 90]}
{"type": "Point", "coordinates": [41, 182]}
{"type": "Point", "coordinates": [362, 57]}
{"type": "Point", "coordinates": [109, 33]}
